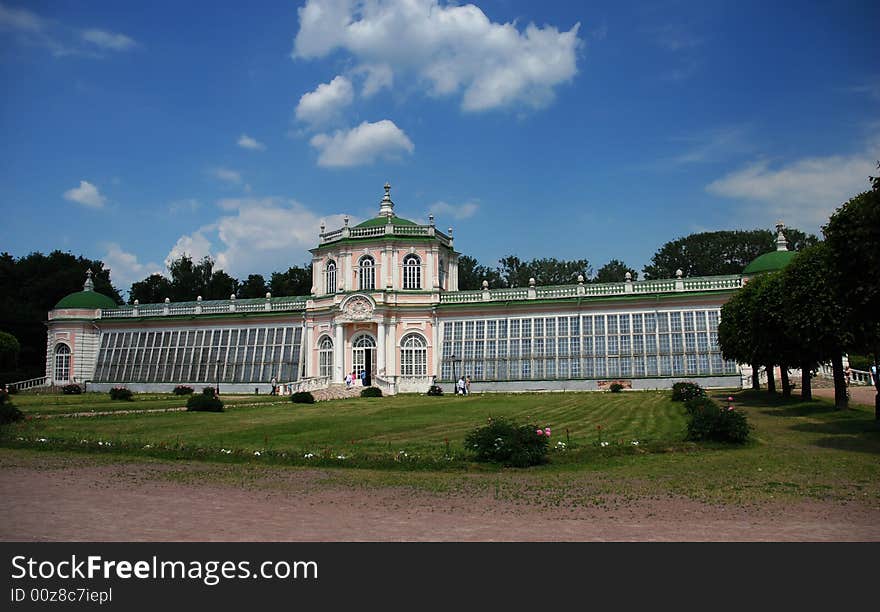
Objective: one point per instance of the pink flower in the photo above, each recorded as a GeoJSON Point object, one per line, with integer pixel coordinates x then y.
{"type": "Point", "coordinates": [547, 431]}
{"type": "Point", "coordinates": [730, 398]}
{"type": "Point", "coordinates": [539, 432]}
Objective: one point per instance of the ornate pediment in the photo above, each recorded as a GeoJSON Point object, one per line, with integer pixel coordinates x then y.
{"type": "Point", "coordinates": [357, 308]}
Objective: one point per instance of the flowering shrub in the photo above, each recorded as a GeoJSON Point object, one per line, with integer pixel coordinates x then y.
{"type": "Point", "coordinates": [204, 403]}
{"type": "Point", "coordinates": [72, 389]}
{"type": "Point", "coordinates": [120, 393]}
{"type": "Point", "coordinates": [683, 391]}
{"type": "Point", "coordinates": [508, 443]}
{"type": "Point", "coordinates": [616, 387]}
{"type": "Point", "coordinates": [302, 397]}
{"type": "Point", "coordinates": [183, 390]}
{"type": "Point", "coordinates": [709, 421]}
{"type": "Point", "coordinates": [371, 392]}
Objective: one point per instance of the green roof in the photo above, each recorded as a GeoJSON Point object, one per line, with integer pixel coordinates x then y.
{"type": "Point", "coordinates": [770, 262]}
{"type": "Point", "coordinates": [383, 220]}
{"type": "Point", "coordinates": [86, 299]}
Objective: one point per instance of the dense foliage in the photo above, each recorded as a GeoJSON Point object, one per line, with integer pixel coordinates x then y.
{"type": "Point", "coordinates": [614, 272]}
{"type": "Point", "coordinates": [683, 391]}
{"type": "Point", "coordinates": [8, 412]}
{"type": "Point", "coordinates": [709, 421]}
{"type": "Point", "coordinates": [120, 393]}
{"type": "Point", "coordinates": [302, 397]}
{"type": "Point", "coordinates": [203, 402]}
{"type": "Point", "coordinates": [371, 392]}
{"type": "Point", "coordinates": [183, 390]}
{"type": "Point", "coordinates": [615, 387]}
{"type": "Point", "coordinates": [508, 443]}
{"type": "Point", "coordinates": [71, 389]}
{"type": "Point", "coordinates": [435, 390]}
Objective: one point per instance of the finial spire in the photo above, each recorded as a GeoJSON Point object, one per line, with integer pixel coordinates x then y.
{"type": "Point", "coordinates": [89, 285]}
{"type": "Point", "coordinates": [386, 206]}
{"type": "Point", "coordinates": [781, 242]}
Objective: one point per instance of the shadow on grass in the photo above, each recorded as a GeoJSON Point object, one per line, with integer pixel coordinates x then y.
{"type": "Point", "coordinates": [774, 404]}
{"type": "Point", "coordinates": [860, 444]}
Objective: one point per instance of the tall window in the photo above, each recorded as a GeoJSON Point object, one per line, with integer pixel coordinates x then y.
{"type": "Point", "coordinates": [331, 276]}
{"type": "Point", "coordinates": [367, 269]}
{"type": "Point", "coordinates": [62, 363]}
{"type": "Point", "coordinates": [413, 356]}
{"type": "Point", "coordinates": [325, 357]}
{"type": "Point", "coordinates": [442, 274]}
{"type": "Point", "coordinates": [412, 272]}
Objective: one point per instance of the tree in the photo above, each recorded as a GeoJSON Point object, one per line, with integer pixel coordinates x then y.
{"type": "Point", "coordinates": [735, 328]}
{"type": "Point", "coordinates": [471, 274]}
{"type": "Point", "coordinates": [31, 286]}
{"type": "Point", "coordinates": [815, 318]}
{"type": "Point", "coordinates": [152, 290]}
{"type": "Point", "coordinates": [253, 287]}
{"type": "Point", "coordinates": [853, 236]}
{"type": "Point", "coordinates": [9, 350]}
{"type": "Point", "coordinates": [295, 281]}
{"type": "Point", "coordinates": [723, 252]}
{"type": "Point", "coordinates": [614, 272]}
{"type": "Point", "coordinates": [547, 271]}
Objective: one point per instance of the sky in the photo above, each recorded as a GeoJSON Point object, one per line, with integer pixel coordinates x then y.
{"type": "Point", "coordinates": [134, 132]}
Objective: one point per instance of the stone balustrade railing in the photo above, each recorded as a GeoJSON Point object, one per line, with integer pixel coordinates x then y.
{"type": "Point", "coordinates": [707, 283]}
{"type": "Point", "coordinates": [385, 230]}
{"type": "Point", "coordinates": [205, 307]}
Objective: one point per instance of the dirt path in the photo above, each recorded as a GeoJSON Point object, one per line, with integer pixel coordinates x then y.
{"type": "Point", "coordinates": [63, 499]}
{"type": "Point", "coordinates": [858, 394]}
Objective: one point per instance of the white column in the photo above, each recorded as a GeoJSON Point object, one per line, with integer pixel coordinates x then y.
{"type": "Point", "coordinates": [391, 355]}
{"type": "Point", "coordinates": [380, 348]}
{"type": "Point", "coordinates": [431, 276]}
{"type": "Point", "coordinates": [309, 352]}
{"type": "Point", "coordinates": [435, 350]}
{"type": "Point", "coordinates": [349, 273]}
{"type": "Point", "coordinates": [338, 355]}
{"type": "Point", "coordinates": [386, 270]}
{"type": "Point", "coordinates": [395, 272]}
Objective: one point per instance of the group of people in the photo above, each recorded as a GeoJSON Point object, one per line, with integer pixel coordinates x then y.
{"type": "Point", "coordinates": [463, 386]}
{"type": "Point", "coordinates": [352, 376]}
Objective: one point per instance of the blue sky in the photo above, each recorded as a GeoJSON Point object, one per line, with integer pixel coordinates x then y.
{"type": "Point", "coordinates": [135, 131]}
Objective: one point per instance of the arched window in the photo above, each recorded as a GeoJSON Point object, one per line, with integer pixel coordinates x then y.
{"type": "Point", "coordinates": [325, 357]}
{"type": "Point", "coordinates": [62, 363]}
{"type": "Point", "coordinates": [367, 273]}
{"type": "Point", "coordinates": [413, 356]}
{"type": "Point", "coordinates": [331, 276]}
{"type": "Point", "coordinates": [412, 272]}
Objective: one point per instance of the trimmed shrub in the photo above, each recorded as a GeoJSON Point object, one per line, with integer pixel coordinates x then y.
{"type": "Point", "coordinates": [120, 393]}
{"type": "Point", "coordinates": [371, 392]}
{"type": "Point", "coordinates": [435, 390]}
{"type": "Point", "coordinates": [182, 390]}
{"type": "Point", "coordinates": [615, 388]}
{"type": "Point", "coordinates": [204, 403]}
{"type": "Point", "coordinates": [683, 391]}
{"type": "Point", "coordinates": [8, 412]}
{"type": "Point", "coordinates": [507, 442]}
{"type": "Point", "coordinates": [709, 421]}
{"type": "Point", "coordinates": [302, 397]}
{"type": "Point", "coordinates": [210, 391]}
{"type": "Point", "coordinates": [71, 389]}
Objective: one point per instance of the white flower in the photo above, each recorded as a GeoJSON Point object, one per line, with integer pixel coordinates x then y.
{"type": "Point", "coordinates": [148, 446]}
{"type": "Point", "coordinates": [226, 451]}
{"type": "Point", "coordinates": [81, 441]}
{"type": "Point", "coordinates": [257, 453]}
{"type": "Point", "coordinates": [635, 442]}
{"type": "Point", "coordinates": [42, 440]}
{"type": "Point", "coordinates": [340, 456]}
{"type": "Point", "coordinates": [604, 444]}
{"type": "Point", "coordinates": [308, 456]}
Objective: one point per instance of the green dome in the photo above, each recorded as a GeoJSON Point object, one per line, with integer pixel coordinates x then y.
{"type": "Point", "coordinates": [770, 262]}
{"type": "Point", "coordinates": [86, 299]}
{"type": "Point", "coordinates": [377, 221]}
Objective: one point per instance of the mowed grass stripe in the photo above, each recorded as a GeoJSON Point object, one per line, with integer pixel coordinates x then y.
{"type": "Point", "coordinates": [412, 423]}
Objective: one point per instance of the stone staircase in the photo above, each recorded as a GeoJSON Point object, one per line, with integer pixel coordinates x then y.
{"type": "Point", "coordinates": [336, 391]}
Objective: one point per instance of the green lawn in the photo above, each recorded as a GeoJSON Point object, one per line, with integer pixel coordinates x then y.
{"type": "Point", "coordinates": [798, 449]}
{"type": "Point", "coordinates": [44, 404]}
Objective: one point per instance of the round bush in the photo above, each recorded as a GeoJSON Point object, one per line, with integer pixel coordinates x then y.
{"type": "Point", "coordinates": [72, 389]}
{"type": "Point", "coordinates": [209, 391]}
{"type": "Point", "coordinates": [183, 390]}
{"type": "Point", "coordinates": [204, 403]}
{"type": "Point", "coordinates": [302, 397]}
{"type": "Point", "coordinates": [508, 443]}
{"type": "Point", "coordinates": [435, 390]}
{"type": "Point", "coordinates": [616, 387]}
{"type": "Point", "coordinates": [709, 421]}
{"type": "Point", "coordinates": [8, 412]}
{"type": "Point", "coordinates": [683, 391]}
{"type": "Point", "coordinates": [371, 392]}
{"type": "Point", "coordinates": [120, 393]}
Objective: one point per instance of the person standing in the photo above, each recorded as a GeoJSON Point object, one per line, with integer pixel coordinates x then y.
{"type": "Point", "coordinates": [467, 385]}
{"type": "Point", "coordinates": [274, 383]}
{"type": "Point", "coordinates": [348, 381]}
{"type": "Point", "coordinates": [364, 378]}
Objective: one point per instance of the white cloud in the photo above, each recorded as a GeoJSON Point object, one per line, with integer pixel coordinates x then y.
{"type": "Point", "coordinates": [456, 211]}
{"type": "Point", "coordinates": [195, 245]}
{"type": "Point", "coordinates": [376, 78]}
{"type": "Point", "coordinates": [227, 176]}
{"type": "Point", "coordinates": [323, 105]}
{"type": "Point", "coordinates": [86, 194]}
{"type": "Point", "coordinates": [802, 193]}
{"type": "Point", "coordinates": [361, 145]}
{"type": "Point", "coordinates": [257, 235]}
{"type": "Point", "coordinates": [246, 142]}
{"type": "Point", "coordinates": [452, 49]}
{"type": "Point", "coordinates": [21, 20]}
{"type": "Point", "coordinates": [108, 40]}
{"type": "Point", "coordinates": [125, 268]}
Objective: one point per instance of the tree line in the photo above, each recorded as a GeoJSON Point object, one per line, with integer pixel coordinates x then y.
{"type": "Point", "coordinates": [825, 303]}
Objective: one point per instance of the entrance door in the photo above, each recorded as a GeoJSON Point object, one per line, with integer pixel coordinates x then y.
{"type": "Point", "coordinates": [364, 356]}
